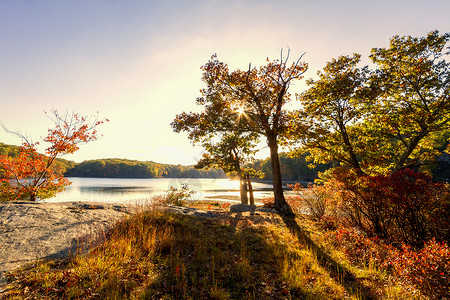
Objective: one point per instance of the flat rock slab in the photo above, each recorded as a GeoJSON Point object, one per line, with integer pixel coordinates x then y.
{"type": "Point", "coordinates": [191, 211]}
{"type": "Point", "coordinates": [31, 231]}
{"type": "Point", "coordinates": [242, 208]}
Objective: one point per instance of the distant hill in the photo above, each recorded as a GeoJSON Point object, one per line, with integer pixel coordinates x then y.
{"type": "Point", "coordinates": [9, 150]}
{"type": "Point", "coordinates": [120, 168]}
{"type": "Point", "coordinates": [125, 168]}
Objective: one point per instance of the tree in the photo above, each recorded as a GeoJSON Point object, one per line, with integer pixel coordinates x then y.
{"type": "Point", "coordinates": [232, 151]}
{"type": "Point", "coordinates": [260, 94]}
{"type": "Point", "coordinates": [381, 121]}
{"type": "Point", "coordinates": [333, 108]}
{"type": "Point", "coordinates": [413, 106]}
{"type": "Point", "coordinates": [217, 129]}
{"type": "Point", "coordinates": [30, 175]}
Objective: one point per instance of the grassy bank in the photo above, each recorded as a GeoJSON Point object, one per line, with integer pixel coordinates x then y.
{"type": "Point", "coordinates": [160, 255]}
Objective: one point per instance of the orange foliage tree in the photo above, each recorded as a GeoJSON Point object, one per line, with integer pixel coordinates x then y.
{"type": "Point", "coordinates": [30, 176]}
{"type": "Point", "coordinates": [260, 96]}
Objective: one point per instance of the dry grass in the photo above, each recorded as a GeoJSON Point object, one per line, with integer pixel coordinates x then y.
{"type": "Point", "coordinates": [159, 255]}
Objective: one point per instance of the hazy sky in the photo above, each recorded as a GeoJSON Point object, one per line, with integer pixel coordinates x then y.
{"type": "Point", "coordinates": [138, 62]}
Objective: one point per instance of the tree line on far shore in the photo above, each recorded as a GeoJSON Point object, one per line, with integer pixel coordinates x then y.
{"type": "Point", "coordinates": [125, 168]}
{"type": "Point", "coordinates": [119, 168]}
{"type": "Point", "coordinates": [293, 168]}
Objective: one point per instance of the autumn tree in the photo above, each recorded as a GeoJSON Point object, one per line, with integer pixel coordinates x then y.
{"type": "Point", "coordinates": [261, 94]}
{"type": "Point", "coordinates": [217, 130]}
{"type": "Point", "coordinates": [30, 175]}
{"type": "Point", "coordinates": [378, 124]}
{"type": "Point", "coordinates": [333, 108]}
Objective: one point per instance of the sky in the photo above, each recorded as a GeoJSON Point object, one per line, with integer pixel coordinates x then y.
{"type": "Point", "coordinates": [137, 63]}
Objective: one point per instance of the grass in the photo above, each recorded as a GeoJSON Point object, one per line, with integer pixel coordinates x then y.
{"type": "Point", "coordinates": [155, 254]}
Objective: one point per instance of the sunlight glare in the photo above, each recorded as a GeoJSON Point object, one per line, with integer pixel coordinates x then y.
{"type": "Point", "coordinates": [228, 184]}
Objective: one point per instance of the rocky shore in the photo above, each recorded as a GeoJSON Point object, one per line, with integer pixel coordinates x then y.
{"type": "Point", "coordinates": [30, 231]}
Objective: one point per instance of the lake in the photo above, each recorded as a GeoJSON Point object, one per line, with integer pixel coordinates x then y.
{"type": "Point", "coordinates": [123, 190]}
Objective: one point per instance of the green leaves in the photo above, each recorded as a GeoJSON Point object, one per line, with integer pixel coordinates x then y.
{"type": "Point", "coordinates": [333, 108]}
{"type": "Point", "coordinates": [376, 121]}
{"type": "Point", "coordinates": [413, 100]}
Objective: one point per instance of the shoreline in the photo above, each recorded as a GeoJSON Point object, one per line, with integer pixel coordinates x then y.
{"type": "Point", "coordinates": [30, 231]}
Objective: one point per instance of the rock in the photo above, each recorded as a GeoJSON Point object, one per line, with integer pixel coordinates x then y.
{"type": "Point", "coordinates": [34, 230]}
{"type": "Point", "coordinates": [267, 209]}
{"type": "Point", "coordinates": [242, 208]}
{"type": "Point", "coordinates": [191, 211]}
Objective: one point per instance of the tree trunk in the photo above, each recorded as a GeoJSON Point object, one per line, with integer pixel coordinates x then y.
{"type": "Point", "coordinates": [280, 202]}
{"type": "Point", "coordinates": [349, 148]}
{"type": "Point", "coordinates": [242, 188]}
{"type": "Point", "coordinates": [250, 190]}
{"type": "Point", "coordinates": [33, 196]}
{"type": "Point", "coordinates": [413, 145]}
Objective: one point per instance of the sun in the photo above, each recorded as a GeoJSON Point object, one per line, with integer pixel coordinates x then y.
{"type": "Point", "coordinates": [241, 110]}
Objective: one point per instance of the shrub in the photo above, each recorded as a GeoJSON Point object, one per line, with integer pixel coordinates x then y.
{"type": "Point", "coordinates": [178, 196]}
{"type": "Point", "coordinates": [7, 192]}
{"type": "Point", "coordinates": [415, 204]}
{"type": "Point", "coordinates": [312, 199]}
{"type": "Point", "coordinates": [361, 249]}
{"type": "Point", "coordinates": [319, 200]}
{"type": "Point", "coordinates": [404, 207]}
{"type": "Point", "coordinates": [428, 269]}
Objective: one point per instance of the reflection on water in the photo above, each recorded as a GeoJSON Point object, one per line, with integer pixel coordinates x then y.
{"type": "Point", "coordinates": [133, 190]}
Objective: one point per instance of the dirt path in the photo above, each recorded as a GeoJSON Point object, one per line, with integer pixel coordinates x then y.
{"type": "Point", "coordinates": [30, 231]}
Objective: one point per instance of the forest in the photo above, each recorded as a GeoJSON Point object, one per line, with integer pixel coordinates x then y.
{"type": "Point", "coordinates": [125, 168]}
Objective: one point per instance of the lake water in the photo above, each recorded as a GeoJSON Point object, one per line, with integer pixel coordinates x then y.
{"type": "Point", "coordinates": [120, 190]}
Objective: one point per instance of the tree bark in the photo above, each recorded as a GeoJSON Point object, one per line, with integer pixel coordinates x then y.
{"type": "Point", "coordinates": [250, 190]}
{"type": "Point", "coordinates": [413, 144]}
{"type": "Point", "coordinates": [33, 196]}
{"type": "Point", "coordinates": [242, 188]}
{"type": "Point", "coordinates": [280, 203]}
{"type": "Point", "coordinates": [349, 148]}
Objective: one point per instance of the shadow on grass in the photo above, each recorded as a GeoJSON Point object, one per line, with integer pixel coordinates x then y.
{"type": "Point", "coordinates": [336, 271]}
{"type": "Point", "coordinates": [162, 255]}
{"type": "Point", "coordinates": [209, 260]}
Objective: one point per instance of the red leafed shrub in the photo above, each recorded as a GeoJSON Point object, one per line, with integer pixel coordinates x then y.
{"type": "Point", "coordinates": [415, 204]}
{"type": "Point", "coordinates": [405, 207]}
{"type": "Point", "coordinates": [361, 249]}
{"type": "Point", "coordinates": [428, 269]}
